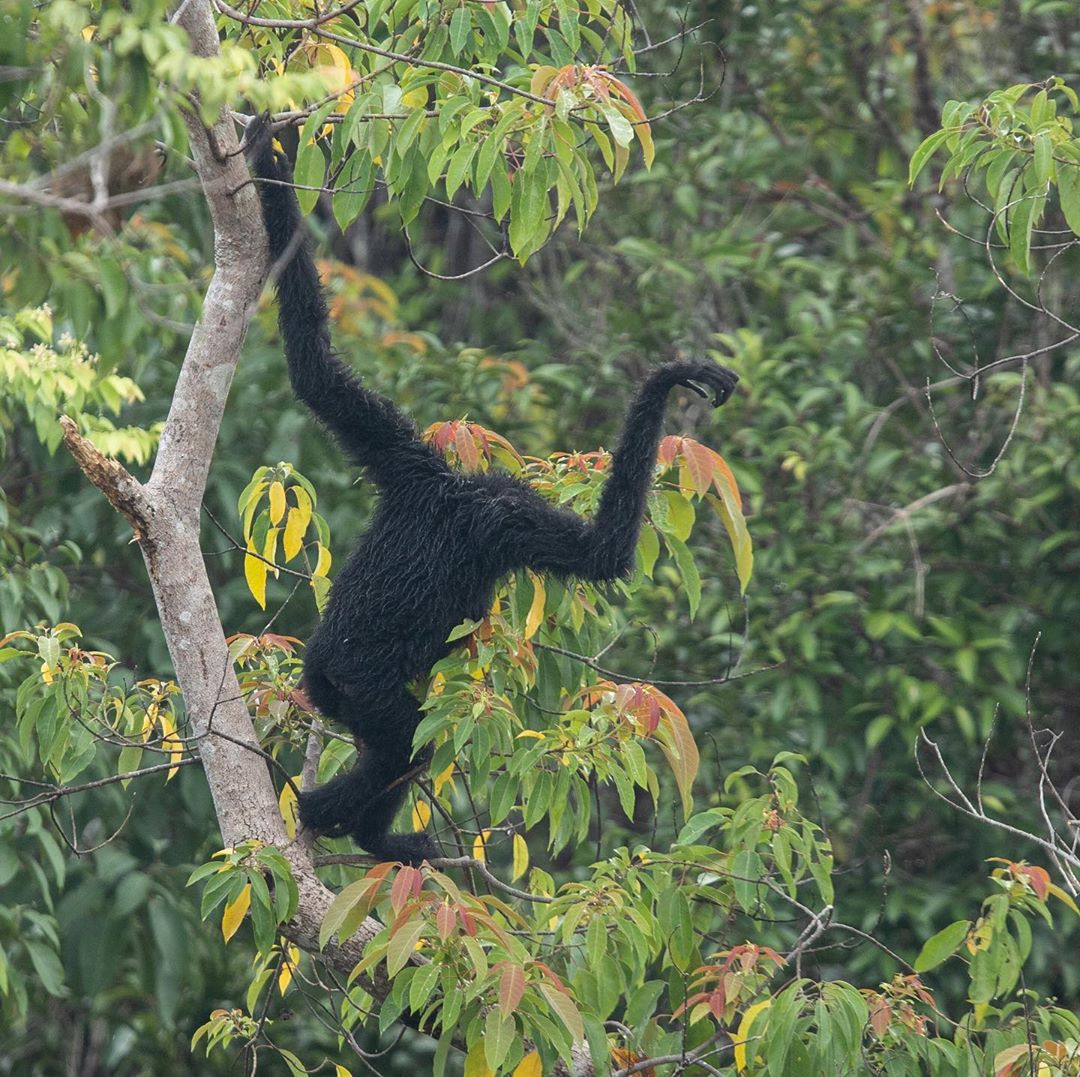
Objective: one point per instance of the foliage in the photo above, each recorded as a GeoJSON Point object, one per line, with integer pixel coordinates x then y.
{"type": "Point", "coordinates": [1026, 150]}
{"type": "Point", "coordinates": [776, 229]}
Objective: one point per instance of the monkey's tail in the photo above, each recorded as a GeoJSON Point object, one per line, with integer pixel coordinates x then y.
{"type": "Point", "coordinates": [318, 376]}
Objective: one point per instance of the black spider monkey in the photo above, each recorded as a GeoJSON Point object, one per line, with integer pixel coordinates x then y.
{"type": "Point", "coordinates": [439, 541]}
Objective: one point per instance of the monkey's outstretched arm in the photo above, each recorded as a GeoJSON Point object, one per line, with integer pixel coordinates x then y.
{"type": "Point", "coordinates": [603, 548]}
{"type": "Point", "coordinates": [371, 429]}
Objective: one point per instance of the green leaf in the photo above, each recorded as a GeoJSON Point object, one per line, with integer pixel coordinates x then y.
{"type": "Point", "coordinates": [1069, 194]}
{"type": "Point", "coordinates": [688, 570]}
{"type": "Point", "coordinates": [46, 965]}
{"type": "Point", "coordinates": [458, 168]}
{"type": "Point", "coordinates": [500, 1030]}
{"type": "Point", "coordinates": [402, 946]}
{"type": "Point", "coordinates": [1022, 221]}
{"type": "Point", "coordinates": [746, 870]}
{"type": "Point", "coordinates": [924, 152]}
{"type": "Point", "coordinates": [621, 129]}
{"type": "Point", "coordinates": [423, 984]}
{"type": "Point", "coordinates": [941, 946]}
{"type": "Point", "coordinates": [460, 26]}
{"type": "Point", "coordinates": [1044, 158]}
{"type": "Point", "coordinates": [310, 162]}
{"type": "Point", "coordinates": [354, 190]}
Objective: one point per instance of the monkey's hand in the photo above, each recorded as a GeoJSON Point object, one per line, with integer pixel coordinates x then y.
{"type": "Point", "coordinates": [259, 146]}
{"type": "Point", "coordinates": [709, 379]}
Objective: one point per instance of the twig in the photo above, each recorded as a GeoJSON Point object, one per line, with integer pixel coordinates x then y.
{"type": "Point", "coordinates": [56, 792]}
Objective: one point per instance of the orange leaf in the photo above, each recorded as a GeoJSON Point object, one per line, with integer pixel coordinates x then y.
{"type": "Point", "coordinates": [465, 444]}
{"type": "Point", "coordinates": [682, 754]}
{"type": "Point", "coordinates": [880, 1015]}
{"type": "Point", "coordinates": [700, 464]}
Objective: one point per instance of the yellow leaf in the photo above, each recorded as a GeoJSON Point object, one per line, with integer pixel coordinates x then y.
{"type": "Point", "coordinates": [644, 134]}
{"type": "Point", "coordinates": [270, 549]}
{"type": "Point", "coordinates": [421, 815]}
{"type": "Point", "coordinates": [444, 777]}
{"type": "Point", "coordinates": [341, 1071]}
{"type": "Point", "coordinates": [415, 98]}
{"type": "Point", "coordinates": [255, 573]}
{"type": "Point", "coordinates": [479, 844]}
{"type": "Point", "coordinates": [521, 857]}
{"type": "Point", "coordinates": [730, 511]}
{"type": "Point", "coordinates": [289, 809]}
{"type": "Point", "coordinates": [1062, 895]}
{"type": "Point", "coordinates": [170, 742]}
{"type": "Point", "coordinates": [475, 1064]}
{"type": "Point", "coordinates": [322, 565]}
{"type": "Point", "coordinates": [536, 610]}
{"type": "Point", "coordinates": [292, 959]}
{"type": "Point", "coordinates": [295, 526]}
{"type": "Point", "coordinates": [235, 912]}
{"type": "Point", "coordinates": [744, 1029]}
{"type": "Point", "coordinates": [529, 1066]}
{"type": "Point", "coordinates": [320, 585]}
{"type": "Point", "coordinates": [252, 505]}
{"type": "Point", "coordinates": [529, 734]}
{"type": "Point", "coordinates": [277, 502]}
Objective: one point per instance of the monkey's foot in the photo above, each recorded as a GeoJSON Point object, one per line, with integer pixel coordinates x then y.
{"type": "Point", "coordinates": [408, 848]}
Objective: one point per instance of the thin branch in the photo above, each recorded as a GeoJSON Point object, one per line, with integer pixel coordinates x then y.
{"type": "Point", "coordinates": [627, 678]}
{"type": "Point", "coordinates": [468, 862]}
{"type": "Point", "coordinates": [315, 26]}
{"type": "Point", "coordinates": [57, 792]}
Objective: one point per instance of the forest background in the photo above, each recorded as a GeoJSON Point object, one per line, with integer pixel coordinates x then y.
{"type": "Point", "coordinates": [913, 606]}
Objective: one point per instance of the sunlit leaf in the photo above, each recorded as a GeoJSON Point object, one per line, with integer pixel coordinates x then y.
{"type": "Point", "coordinates": [535, 616]}
{"type": "Point", "coordinates": [255, 570]}
{"type": "Point", "coordinates": [235, 911]}
{"type": "Point", "coordinates": [521, 857]}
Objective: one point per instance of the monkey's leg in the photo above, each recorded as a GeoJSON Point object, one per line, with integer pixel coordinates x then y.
{"type": "Point", "coordinates": [362, 803]}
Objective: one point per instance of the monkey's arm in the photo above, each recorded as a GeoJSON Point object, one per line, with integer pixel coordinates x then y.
{"type": "Point", "coordinates": [603, 548]}
{"type": "Point", "coordinates": [371, 429]}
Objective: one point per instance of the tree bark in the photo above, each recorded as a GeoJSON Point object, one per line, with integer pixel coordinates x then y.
{"type": "Point", "coordinates": [165, 516]}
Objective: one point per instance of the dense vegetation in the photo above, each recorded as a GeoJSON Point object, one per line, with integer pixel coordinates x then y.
{"type": "Point", "coordinates": [904, 443]}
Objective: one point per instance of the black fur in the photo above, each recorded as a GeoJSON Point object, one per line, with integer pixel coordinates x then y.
{"type": "Point", "coordinates": [438, 544]}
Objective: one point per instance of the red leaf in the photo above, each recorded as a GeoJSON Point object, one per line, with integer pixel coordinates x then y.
{"type": "Point", "coordinates": [406, 885]}
{"type": "Point", "coordinates": [511, 986]}
{"type": "Point", "coordinates": [445, 918]}
{"type": "Point", "coordinates": [669, 449]}
{"type": "Point", "coordinates": [1038, 879]}
{"type": "Point", "coordinates": [880, 1015]}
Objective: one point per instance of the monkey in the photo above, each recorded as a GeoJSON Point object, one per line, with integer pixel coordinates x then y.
{"type": "Point", "coordinates": [438, 543]}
